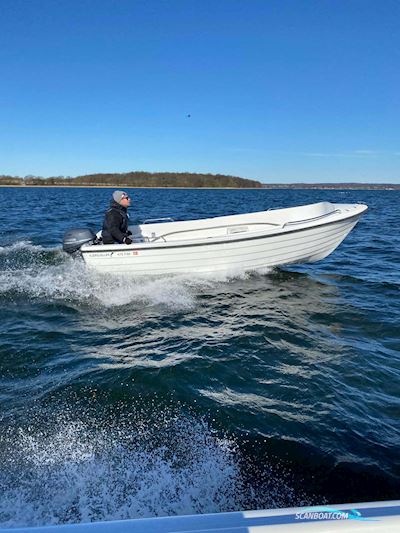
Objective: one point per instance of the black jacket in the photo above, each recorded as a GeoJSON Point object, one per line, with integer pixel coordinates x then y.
{"type": "Point", "coordinates": [115, 226]}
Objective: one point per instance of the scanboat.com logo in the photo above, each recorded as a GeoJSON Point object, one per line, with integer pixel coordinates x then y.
{"type": "Point", "coordinates": [327, 513]}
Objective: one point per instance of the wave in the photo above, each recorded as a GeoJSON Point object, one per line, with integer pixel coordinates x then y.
{"type": "Point", "coordinates": [369, 279]}
{"type": "Point", "coordinates": [68, 470]}
{"type": "Point", "coordinates": [76, 460]}
{"type": "Point", "coordinates": [26, 246]}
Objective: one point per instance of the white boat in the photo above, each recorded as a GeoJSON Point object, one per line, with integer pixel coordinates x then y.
{"type": "Point", "coordinates": [233, 243]}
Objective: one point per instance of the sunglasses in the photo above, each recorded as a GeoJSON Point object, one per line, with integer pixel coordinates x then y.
{"type": "Point", "coordinates": [126, 198]}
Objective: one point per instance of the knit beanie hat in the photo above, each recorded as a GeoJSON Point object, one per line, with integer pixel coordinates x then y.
{"type": "Point", "coordinates": [119, 195]}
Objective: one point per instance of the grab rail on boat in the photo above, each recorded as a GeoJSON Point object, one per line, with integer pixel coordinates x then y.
{"type": "Point", "coordinates": [154, 220]}
{"type": "Point", "coordinates": [213, 227]}
{"type": "Point", "coordinates": [311, 219]}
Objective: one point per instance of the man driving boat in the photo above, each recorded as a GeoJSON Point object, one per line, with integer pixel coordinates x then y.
{"type": "Point", "coordinates": [116, 219]}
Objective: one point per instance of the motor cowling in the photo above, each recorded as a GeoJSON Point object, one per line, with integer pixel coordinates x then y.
{"type": "Point", "coordinates": [75, 238]}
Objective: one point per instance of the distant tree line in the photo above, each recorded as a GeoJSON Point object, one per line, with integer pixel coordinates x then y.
{"type": "Point", "coordinates": [137, 179]}
{"type": "Point", "coordinates": [176, 179]}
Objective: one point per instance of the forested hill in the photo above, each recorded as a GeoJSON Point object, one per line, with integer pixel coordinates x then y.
{"type": "Point", "coordinates": [176, 179]}
{"type": "Point", "coordinates": [137, 179]}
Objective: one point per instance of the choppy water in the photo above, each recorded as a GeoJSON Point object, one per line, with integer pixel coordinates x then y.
{"type": "Point", "coordinates": [125, 398]}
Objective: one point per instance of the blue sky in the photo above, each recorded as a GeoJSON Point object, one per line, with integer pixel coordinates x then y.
{"type": "Point", "coordinates": [277, 90]}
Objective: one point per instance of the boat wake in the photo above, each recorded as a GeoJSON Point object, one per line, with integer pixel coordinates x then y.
{"type": "Point", "coordinates": [34, 272]}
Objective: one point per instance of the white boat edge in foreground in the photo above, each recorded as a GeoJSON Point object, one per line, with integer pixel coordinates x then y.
{"type": "Point", "coordinates": [235, 243]}
{"type": "Point", "coordinates": [380, 517]}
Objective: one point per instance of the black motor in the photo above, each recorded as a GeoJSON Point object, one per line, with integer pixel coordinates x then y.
{"type": "Point", "coordinates": [74, 238]}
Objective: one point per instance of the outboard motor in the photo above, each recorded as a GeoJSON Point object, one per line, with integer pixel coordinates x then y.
{"type": "Point", "coordinates": [74, 238]}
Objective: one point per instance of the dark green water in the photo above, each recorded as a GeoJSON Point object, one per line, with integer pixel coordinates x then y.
{"type": "Point", "coordinates": [123, 398]}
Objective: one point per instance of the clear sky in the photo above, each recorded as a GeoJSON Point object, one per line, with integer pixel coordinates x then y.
{"type": "Point", "coordinates": [276, 90]}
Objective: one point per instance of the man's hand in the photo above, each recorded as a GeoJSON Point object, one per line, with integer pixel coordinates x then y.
{"type": "Point", "coordinates": [127, 240]}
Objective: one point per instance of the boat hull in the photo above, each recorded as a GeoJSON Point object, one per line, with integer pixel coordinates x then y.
{"type": "Point", "coordinates": [287, 244]}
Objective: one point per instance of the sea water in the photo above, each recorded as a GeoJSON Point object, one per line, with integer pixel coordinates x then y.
{"type": "Point", "coordinates": [124, 398]}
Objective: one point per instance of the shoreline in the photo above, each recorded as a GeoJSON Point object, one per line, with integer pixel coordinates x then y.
{"type": "Point", "coordinates": [125, 187]}
{"type": "Point", "coordinates": [372, 187]}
